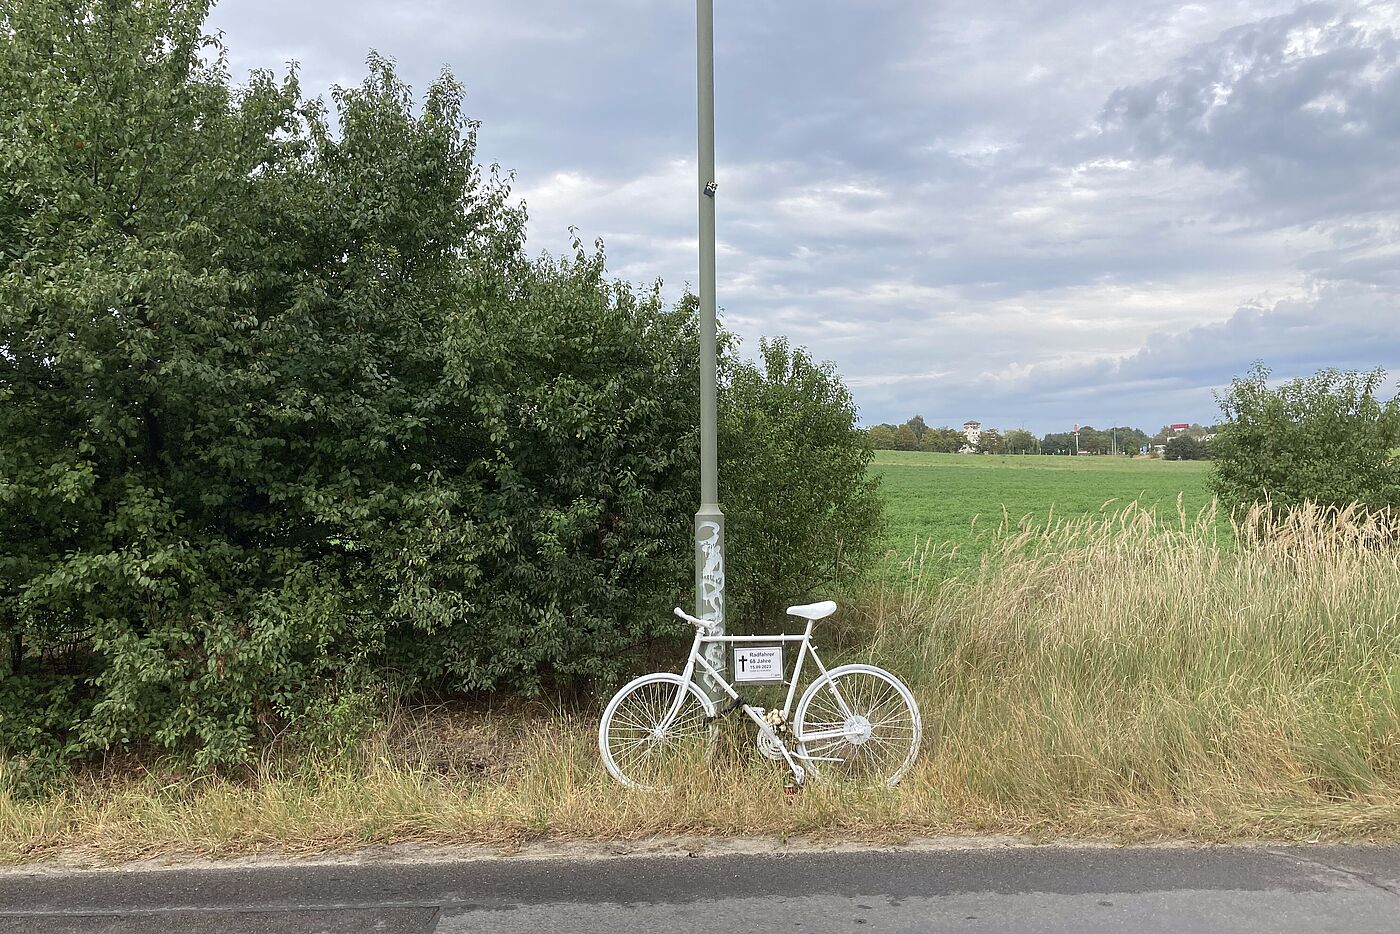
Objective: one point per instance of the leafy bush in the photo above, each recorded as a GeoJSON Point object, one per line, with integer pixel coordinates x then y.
{"type": "Point", "coordinates": [801, 511]}
{"type": "Point", "coordinates": [227, 423]}
{"type": "Point", "coordinates": [582, 488]}
{"type": "Point", "coordinates": [1188, 448]}
{"type": "Point", "coordinates": [285, 411]}
{"type": "Point", "coordinates": [1327, 439]}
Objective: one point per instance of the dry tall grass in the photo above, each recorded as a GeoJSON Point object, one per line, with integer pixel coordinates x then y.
{"type": "Point", "coordinates": [1130, 668]}
{"type": "Point", "coordinates": [1124, 678]}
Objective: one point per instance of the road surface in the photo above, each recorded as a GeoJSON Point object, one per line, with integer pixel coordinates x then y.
{"type": "Point", "coordinates": [1011, 889]}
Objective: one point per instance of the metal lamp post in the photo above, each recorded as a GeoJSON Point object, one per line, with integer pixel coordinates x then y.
{"type": "Point", "coordinates": [709, 521]}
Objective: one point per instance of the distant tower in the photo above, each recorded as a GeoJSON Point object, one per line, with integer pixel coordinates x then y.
{"type": "Point", "coordinates": [972, 431]}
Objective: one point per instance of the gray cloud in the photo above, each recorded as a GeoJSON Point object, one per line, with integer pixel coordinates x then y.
{"type": "Point", "coordinates": [1032, 212]}
{"type": "Point", "coordinates": [1175, 375]}
{"type": "Point", "coordinates": [1305, 106]}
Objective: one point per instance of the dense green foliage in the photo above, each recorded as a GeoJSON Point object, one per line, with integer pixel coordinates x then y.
{"type": "Point", "coordinates": [943, 440]}
{"type": "Point", "coordinates": [790, 423]}
{"type": "Point", "coordinates": [991, 441]}
{"type": "Point", "coordinates": [286, 408]}
{"type": "Point", "coordinates": [1187, 447]}
{"type": "Point", "coordinates": [1020, 441]}
{"type": "Point", "coordinates": [170, 253]}
{"type": "Point", "coordinates": [1329, 439]}
{"type": "Point", "coordinates": [881, 438]}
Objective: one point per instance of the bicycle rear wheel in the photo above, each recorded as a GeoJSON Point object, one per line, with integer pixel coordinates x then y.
{"type": "Point", "coordinates": [640, 746]}
{"type": "Point", "coordinates": [870, 723]}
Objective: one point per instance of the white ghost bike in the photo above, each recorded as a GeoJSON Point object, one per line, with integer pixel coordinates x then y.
{"type": "Point", "coordinates": [853, 723]}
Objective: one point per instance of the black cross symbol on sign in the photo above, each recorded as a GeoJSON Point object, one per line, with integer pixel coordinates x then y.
{"type": "Point", "coordinates": [743, 663]}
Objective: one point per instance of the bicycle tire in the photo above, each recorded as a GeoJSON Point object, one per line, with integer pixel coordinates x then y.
{"type": "Point", "coordinates": [884, 714]}
{"type": "Point", "coordinates": [633, 752]}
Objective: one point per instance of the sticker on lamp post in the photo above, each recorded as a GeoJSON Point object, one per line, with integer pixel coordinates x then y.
{"type": "Point", "coordinates": [758, 664]}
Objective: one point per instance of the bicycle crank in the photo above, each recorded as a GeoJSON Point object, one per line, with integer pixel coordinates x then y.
{"type": "Point", "coordinates": [769, 746]}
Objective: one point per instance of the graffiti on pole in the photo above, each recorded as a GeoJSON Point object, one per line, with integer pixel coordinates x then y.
{"type": "Point", "coordinates": [711, 571]}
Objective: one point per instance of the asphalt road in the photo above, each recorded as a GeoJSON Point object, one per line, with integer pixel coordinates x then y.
{"type": "Point", "coordinates": [1040, 889]}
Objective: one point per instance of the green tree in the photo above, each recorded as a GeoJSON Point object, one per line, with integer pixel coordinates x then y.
{"type": "Point", "coordinates": [1185, 447]}
{"type": "Point", "coordinates": [905, 439]}
{"type": "Point", "coordinates": [1093, 441]}
{"type": "Point", "coordinates": [572, 534]}
{"type": "Point", "coordinates": [917, 425]}
{"type": "Point", "coordinates": [1327, 439]}
{"type": "Point", "coordinates": [1057, 443]}
{"type": "Point", "coordinates": [161, 370]}
{"type": "Point", "coordinates": [255, 442]}
{"type": "Point", "coordinates": [1118, 440]}
{"type": "Point", "coordinates": [943, 440]}
{"type": "Point", "coordinates": [283, 406]}
{"type": "Point", "coordinates": [991, 442]}
{"type": "Point", "coordinates": [1130, 440]}
{"type": "Point", "coordinates": [802, 513]}
{"type": "Point", "coordinates": [882, 437]}
{"type": "Point", "coordinates": [1020, 441]}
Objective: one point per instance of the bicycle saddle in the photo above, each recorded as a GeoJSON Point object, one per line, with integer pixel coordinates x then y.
{"type": "Point", "coordinates": [813, 611]}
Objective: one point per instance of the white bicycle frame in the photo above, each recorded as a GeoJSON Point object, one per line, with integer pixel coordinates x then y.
{"type": "Point", "coordinates": [697, 660]}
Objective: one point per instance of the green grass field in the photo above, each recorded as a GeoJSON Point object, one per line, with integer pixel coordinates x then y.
{"type": "Point", "coordinates": [947, 503]}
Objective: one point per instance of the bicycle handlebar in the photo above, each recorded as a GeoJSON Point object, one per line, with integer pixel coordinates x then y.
{"type": "Point", "coordinates": [699, 623]}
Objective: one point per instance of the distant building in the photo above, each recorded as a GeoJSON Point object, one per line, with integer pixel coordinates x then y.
{"type": "Point", "coordinates": [972, 431]}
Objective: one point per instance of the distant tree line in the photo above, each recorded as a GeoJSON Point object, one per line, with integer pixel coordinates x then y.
{"type": "Point", "coordinates": [1116, 440]}
{"type": "Point", "coordinates": [1330, 440]}
{"type": "Point", "coordinates": [917, 435]}
{"type": "Point", "coordinates": [1191, 443]}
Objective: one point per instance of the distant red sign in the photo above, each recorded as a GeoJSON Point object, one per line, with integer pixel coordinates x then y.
{"type": "Point", "coordinates": [1182, 427]}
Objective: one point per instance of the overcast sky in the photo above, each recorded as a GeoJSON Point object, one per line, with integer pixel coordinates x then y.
{"type": "Point", "coordinates": [1029, 213]}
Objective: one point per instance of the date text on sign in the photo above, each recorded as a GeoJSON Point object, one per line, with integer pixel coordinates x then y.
{"type": "Point", "coordinates": [759, 664]}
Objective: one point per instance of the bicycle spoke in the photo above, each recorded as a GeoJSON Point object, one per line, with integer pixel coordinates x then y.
{"type": "Point", "coordinates": [639, 742]}
{"type": "Point", "coordinates": [827, 746]}
{"type": "Point", "coordinates": [629, 722]}
{"type": "Point", "coordinates": [878, 723]}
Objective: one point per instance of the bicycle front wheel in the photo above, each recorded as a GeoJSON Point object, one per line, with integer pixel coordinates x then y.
{"type": "Point", "coordinates": [858, 723]}
{"type": "Point", "coordinates": [648, 740]}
